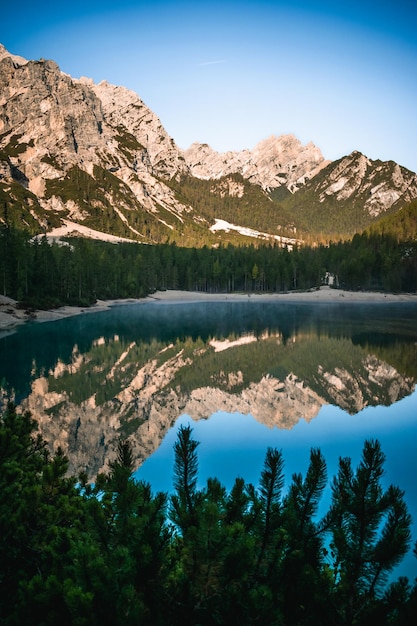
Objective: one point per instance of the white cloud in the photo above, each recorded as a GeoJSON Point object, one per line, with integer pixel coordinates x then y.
{"type": "Point", "coordinates": [210, 63]}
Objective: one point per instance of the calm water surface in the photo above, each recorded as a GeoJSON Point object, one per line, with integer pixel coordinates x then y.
{"type": "Point", "coordinates": [244, 375]}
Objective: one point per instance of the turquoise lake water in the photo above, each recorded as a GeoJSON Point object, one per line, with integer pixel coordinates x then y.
{"type": "Point", "coordinates": [353, 366]}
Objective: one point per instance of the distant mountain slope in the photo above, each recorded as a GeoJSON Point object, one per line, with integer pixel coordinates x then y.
{"type": "Point", "coordinates": [349, 194]}
{"type": "Point", "coordinates": [75, 153]}
{"type": "Point", "coordinates": [402, 224]}
{"type": "Point", "coordinates": [273, 162]}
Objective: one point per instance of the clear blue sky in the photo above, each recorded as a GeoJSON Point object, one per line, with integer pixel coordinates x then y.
{"type": "Point", "coordinates": [340, 74]}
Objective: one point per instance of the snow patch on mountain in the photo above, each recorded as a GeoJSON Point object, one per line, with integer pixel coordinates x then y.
{"type": "Point", "coordinates": [250, 232]}
{"type": "Point", "coordinates": [72, 229]}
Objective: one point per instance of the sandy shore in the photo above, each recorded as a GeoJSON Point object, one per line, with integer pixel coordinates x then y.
{"type": "Point", "coordinates": [324, 294]}
{"type": "Point", "coordinates": [11, 316]}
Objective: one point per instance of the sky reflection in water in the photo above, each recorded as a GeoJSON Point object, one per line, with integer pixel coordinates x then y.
{"type": "Point", "coordinates": [233, 445]}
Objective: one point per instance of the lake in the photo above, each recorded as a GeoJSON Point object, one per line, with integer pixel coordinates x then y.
{"type": "Point", "coordinates": [245, 375]}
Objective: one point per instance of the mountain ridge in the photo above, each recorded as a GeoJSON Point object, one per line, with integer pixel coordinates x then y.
{"type": "Point", "coordinates": [73, 151]}
{"type": "Point", "coordinates": [273, 162]}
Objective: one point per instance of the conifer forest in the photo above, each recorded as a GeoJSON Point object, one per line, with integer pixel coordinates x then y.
{"type": "Point", "coordinates": [40, 274]}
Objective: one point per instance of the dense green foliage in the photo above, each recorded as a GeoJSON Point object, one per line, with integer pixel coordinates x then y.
{"type": "Point", "coordinates": [375, 262]}
{"type": "Point", "coordinates": [401, 225]}
{"type": "Point", "coordinates": [40, 274]}
{"type": "Point", "coordinates": [317, 208]}
{"type": "Point", "coordinates": [115, 553]}
{"type": "Point", "coordinates": [19, 208]}
{"type": "Point", "coordinates": [236, 200]}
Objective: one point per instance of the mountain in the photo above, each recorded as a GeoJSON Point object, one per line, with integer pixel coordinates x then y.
{"type": "Point", "coordinates": [350, 193]}
{"type": "Point", "coordinates": [63, 143]}
{"type": "Point", "coordinates": [402, 225]}
{"type": "Point", "coordinates": [274, 162]}
{"type": "Point", "coordinates": [94, 159]}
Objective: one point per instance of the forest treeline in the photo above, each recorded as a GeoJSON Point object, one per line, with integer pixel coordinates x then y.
{"type": "Point", "coordinates": [113, 552]}
{"type": "Point", "coordinates": [401, 224]}
{"type": "Point", "coordinates": [44, 275]}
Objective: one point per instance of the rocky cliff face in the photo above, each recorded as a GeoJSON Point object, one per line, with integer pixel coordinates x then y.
{"type": "Point", "coordinates": [88, 433]}
{"type": "Point", "coordinates": [46, 116]}
{"type": "Point", "coordinates": [379, 185]}
{"type": "Point", "coordinates": [273, 162]}
{"type": "Point", "coordinates": [51, 124]}
{"type": "Point", "coordinates": [122, 108]}
{"type": "Point", "coordinates": [358, 188]}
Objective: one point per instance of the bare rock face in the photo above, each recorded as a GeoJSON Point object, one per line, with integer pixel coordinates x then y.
{"type": "Point", "coordinates": [123, 108]}
{"type": "Point", "coordinates": [375, 184]}
{"type": "Point", "coordinates": [76, 121]}
{"type": "Point", "coordinates": [50, 123]}
{"type": "Point", "coordinates": [353, 392]}
{"type": "Point", "coordinates": [88, 433]}
{"type": "Point", "coordinates": [206, 163]}
{"type": "Point", "coordinates": [273, 162]}
{"type": "Point", "coordinates": [48, 114]}
{"type": "Point", "coordinates": [17, 60]}
{"type": "Point", "coordinates": [274, 403]}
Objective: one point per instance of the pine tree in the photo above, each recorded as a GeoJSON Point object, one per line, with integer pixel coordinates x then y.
{"type": "Point", "coordinates": [370, 532]}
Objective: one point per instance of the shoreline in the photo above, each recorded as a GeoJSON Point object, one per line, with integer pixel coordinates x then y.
{"type": "Point", "coordinates": [11, 317]}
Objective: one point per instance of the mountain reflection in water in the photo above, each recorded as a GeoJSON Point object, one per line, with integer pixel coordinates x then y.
{"type": "Point", "coordinates": [134, 370]}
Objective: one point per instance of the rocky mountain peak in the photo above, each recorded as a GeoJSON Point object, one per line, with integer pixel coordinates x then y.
{"type": "Point", "coordinates": [273, 162]}
{"type": "Point", "coordinates": [124, 108]}
{"type": "Point", "coordinates": [17, 60]}
{"type": "Point", "coordinates": [379, 184]}
{"type": "Point", "coordinates": [72, 119]}
{"type": "Point", "coordinates": [88, 427]}
{"type": "Point", "coordinates": [48, 122]}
